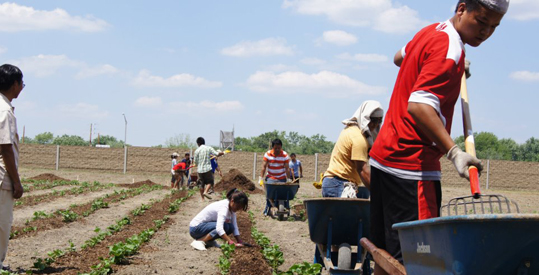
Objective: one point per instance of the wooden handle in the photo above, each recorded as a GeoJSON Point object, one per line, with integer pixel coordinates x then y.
{"type": "Point", "coordinates": [383, 259]}
{"type": "Point", "coordinates": [469, 142]}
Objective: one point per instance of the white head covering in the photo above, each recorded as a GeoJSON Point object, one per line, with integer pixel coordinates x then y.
{"type": "Point", "coordinates": [499, 6]}
{"type": "Point", "coordinates": [362, 118]}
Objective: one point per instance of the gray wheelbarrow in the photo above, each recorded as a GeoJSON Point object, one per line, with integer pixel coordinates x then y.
{"type": "Point", "coordinates": [339, 222]}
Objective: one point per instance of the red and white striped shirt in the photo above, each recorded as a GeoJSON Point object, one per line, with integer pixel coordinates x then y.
{"type": "Point", "coordinates": [276, 164]}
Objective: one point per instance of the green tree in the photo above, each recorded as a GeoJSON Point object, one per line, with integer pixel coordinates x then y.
{"type": "Point", "coordinates": [508, 149]}
{"type": "Point", "coordinates": [44, 138]}
{"type": "Point", "coordinates": [529, 151]}
{"type": "Point", "coordinates": [72, 140]}
{"type": "Point", "coordinates": [180, 141]}
{"type": "Point", "coordinates": [108, 140]}
{"type": "Point", "coordinates": [486, 146]}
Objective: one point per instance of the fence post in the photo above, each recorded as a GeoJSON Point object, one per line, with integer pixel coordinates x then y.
{"type": "Point", "coordinates": [125, 158]}
{"type": "Point", "coordinates": [316, 167]}
{"type": "Point", "coordinates": [57, 156]}
{"type": "Point", "coordinates": [488, 170]}
{"type": "Point", "coordinates": [254, 167]}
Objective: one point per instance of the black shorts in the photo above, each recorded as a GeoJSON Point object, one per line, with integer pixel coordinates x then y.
{"type": "Point", "coordinates": [395, 200]}
{"type": "Point", "coordinates": [205, 178]}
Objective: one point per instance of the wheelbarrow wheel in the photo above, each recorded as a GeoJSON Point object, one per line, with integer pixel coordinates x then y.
{"type": "Point", "coordinates": [344, 256]}
{"type": "Point", "coordinates": [281, 210]}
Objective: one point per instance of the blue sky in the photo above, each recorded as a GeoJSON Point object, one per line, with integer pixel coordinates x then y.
{"type": "Point", "coordinates": [197, 67]}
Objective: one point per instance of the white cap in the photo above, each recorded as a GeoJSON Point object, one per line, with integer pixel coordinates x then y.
{"type": "Point", "coordinates": [499, 6]}
{"type": "Point", "coordinates": [175, 154]}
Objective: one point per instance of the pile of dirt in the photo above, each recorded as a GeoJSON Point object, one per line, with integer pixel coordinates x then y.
{"type": "Point", "coordinates": [48, 177]}
{"type": "Point", "coordinates": [137, 184]}
{"type": "Point", "coordinates": [235, 179]}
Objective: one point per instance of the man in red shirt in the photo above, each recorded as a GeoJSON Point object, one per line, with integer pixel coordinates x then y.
{"type": "Point", "coordinates": [405, 166]}
{"type": "Point", "coordinates": [179, 171]}
{"type": "Point", "coordinates": [276, 163]}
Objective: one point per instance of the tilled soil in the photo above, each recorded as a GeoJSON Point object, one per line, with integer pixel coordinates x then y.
{"type": "Point", "coordinates": [248, 260]}
{"type": "Point", "coordinates": [169, 251]}
{"type": "Point", "coordinates": [48, 177]}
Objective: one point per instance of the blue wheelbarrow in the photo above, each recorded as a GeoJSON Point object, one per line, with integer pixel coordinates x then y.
{"type": "Point", "coordinates": [339, 222]}
{"type": "Point", "coordinates": [279, 196]}
{"type": "Point", "coordinates": [466, 244]}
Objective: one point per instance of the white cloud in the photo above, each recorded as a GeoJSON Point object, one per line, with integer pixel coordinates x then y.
{"type": "Point", "coordinates": [279, 68]}
{"type": "Point", "coordinates": [96, 71]}
{"type": "Point", "coordinates": [313, 61]}
{"type": "Point", "coordinates": [46, 65]}
{"type": "Point", "coordinates": [206, 106]}
{"type": "Point", "coordinates": [525, 76]}
{"type": "Point", "coordinates": [146, 101]}
{"type": "Point", "coordinates": [381, 15]}
{"type": "Point", "coordinates": [300, 116]}
{"type": "Point", "coordinates": [340, 38]}
{"type": "Point", "coordinates": [325, 83]}
{"type": "Point", "coordinates": [14, 18]}
{"type": "Point", "coordinates": [3, 50]}
{"type": "Point", "coordinates": [264, 47]}
{"type": "Point", "coordinates": [145, 79]}
{"type": "Point", "coordinates": [524, 10]}
{"type": "Point", "coordinates": [371, 57]}
{"type": "Point", "coordinates": [82, 110]}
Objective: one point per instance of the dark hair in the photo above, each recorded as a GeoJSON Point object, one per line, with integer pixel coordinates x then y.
{"type": "Point", "coordinates": [471, 5]}
{"type": "Point", "coordinates": [238, 197]}
{"type": "Point", "coordinates": [173, 156]}
{"type": "Point", "coordinates": [186, 154]}
{"type": "Point", "coordinates": [201, 141]}
{"type": "Point", "coordinates": [276, 142]}
{"type": "Point", "coordinates": [293, 154]}
{"type": "Point", "coordinates": [8, 75]}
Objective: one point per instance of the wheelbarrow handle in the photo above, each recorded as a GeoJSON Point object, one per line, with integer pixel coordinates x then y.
{"type": "Point", "coordinates": [383, 259]}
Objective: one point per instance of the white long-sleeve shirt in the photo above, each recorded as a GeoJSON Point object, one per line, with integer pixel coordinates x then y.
{"type": "Point", "coordinates": [217, 212]}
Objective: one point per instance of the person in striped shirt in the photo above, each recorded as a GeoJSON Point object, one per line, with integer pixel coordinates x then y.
{"type": "Point", "coordinates": [276, 164]}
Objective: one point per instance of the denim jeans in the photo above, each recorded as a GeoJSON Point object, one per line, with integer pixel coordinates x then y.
{"type": "Point", "coordinates": [268, 204]}
{"type": "Point", "coordinates": [333, 187]}
{"type": "Point", "coordinates": [206, 228]}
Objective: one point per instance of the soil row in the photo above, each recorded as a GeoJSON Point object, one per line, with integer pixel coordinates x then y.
{"type": "Point", "coordinates": [141, 219]}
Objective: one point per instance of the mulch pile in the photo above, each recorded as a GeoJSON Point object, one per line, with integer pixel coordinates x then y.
{"type": "Point", "coordinates": [137, 184]}
{"type": "Point", "coordinates": [48, 177]}
{"type": "Point", "coordinates": [235, 179]}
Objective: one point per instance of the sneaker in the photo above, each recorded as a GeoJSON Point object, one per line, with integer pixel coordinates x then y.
{"type": "Point", "coordinates": [207, 195]}
{"type": "Point", "coordinates": [213, 244]}
{"type": "Point", "coordinates": [198, 245]}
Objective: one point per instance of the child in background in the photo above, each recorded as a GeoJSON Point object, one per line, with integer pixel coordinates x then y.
{"type": "Point", "coordinates": [179, 170]}
{"type": "Point", "coordinates": [174, 158]}
{"type": "Point", "coordinates": [217, 220]}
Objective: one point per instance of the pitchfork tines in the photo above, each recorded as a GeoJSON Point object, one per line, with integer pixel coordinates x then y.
{"type": "Point", "coordinates": [485, 204]}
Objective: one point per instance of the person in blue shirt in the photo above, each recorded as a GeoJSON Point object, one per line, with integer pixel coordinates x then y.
{"type": "Point", "coordinates": [214, 167]}
{"type": "Point", "coordinates": [296, 170]}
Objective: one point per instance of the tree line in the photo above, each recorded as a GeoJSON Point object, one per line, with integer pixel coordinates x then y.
{"type": "Point", "coordinates": [73, 140]}
{"type": "Point", "coordinates": [487, 145]}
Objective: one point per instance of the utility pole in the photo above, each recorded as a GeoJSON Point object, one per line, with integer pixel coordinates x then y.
{"type": "Point", "coordinates": [125, 145]}
{"type": "Point", "coordinates": [90, 134]}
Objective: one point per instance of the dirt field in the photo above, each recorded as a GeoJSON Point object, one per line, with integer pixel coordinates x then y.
{"type": "Point", "coordinates": [168, 251]}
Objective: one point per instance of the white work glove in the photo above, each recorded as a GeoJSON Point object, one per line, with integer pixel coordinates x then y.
{"type": "Point", "coordinates": [349, 191]}
{"type": "Point", "coordinates": [261, 181]}
{"type": "Point", "coordinates": [462, 160]}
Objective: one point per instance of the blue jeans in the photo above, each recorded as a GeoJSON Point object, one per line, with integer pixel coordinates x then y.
{"type": "Point", "coordinates": [333, 187]}
{"type": "Point", "coordinates": [206, 228]}
{"type": "Point", "coordinates": [268, 204]}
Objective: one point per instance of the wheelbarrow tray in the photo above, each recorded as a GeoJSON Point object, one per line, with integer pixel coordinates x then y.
{"type": "Point", "coordinates": [276, 191]}
{"type": "Point", "coordinates": [345, 214]}
{"type": "Point", "coordinates": [471, 244]}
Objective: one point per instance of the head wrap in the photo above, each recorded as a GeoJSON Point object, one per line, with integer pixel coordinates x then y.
{"type": "Point", "coordinates": [499, 6]}
{"type": "Point", "coordinates": [362, 118]}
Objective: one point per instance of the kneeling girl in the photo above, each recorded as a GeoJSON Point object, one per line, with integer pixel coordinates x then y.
{"type": "Point", "coordinates": [217, 220]}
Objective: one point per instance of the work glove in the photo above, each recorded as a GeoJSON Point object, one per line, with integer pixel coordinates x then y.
{"type": "Point", "coordinates": [467, 68]}
{"type": "Point", "coordinates": [261, 181]}
{"type": "Point", "coordinates": [462, 160]}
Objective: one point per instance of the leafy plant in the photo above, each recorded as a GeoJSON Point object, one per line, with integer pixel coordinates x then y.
{"type": "Point", "coordinates": [304, 268]}
{"type": "Point", "coordinates": [224, 259]}
{"type": "Point", "coordinates": [68, 215]}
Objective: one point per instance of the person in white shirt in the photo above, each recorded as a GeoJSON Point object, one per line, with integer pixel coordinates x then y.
{"type": "Point", "coordinates": [217, 220]}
